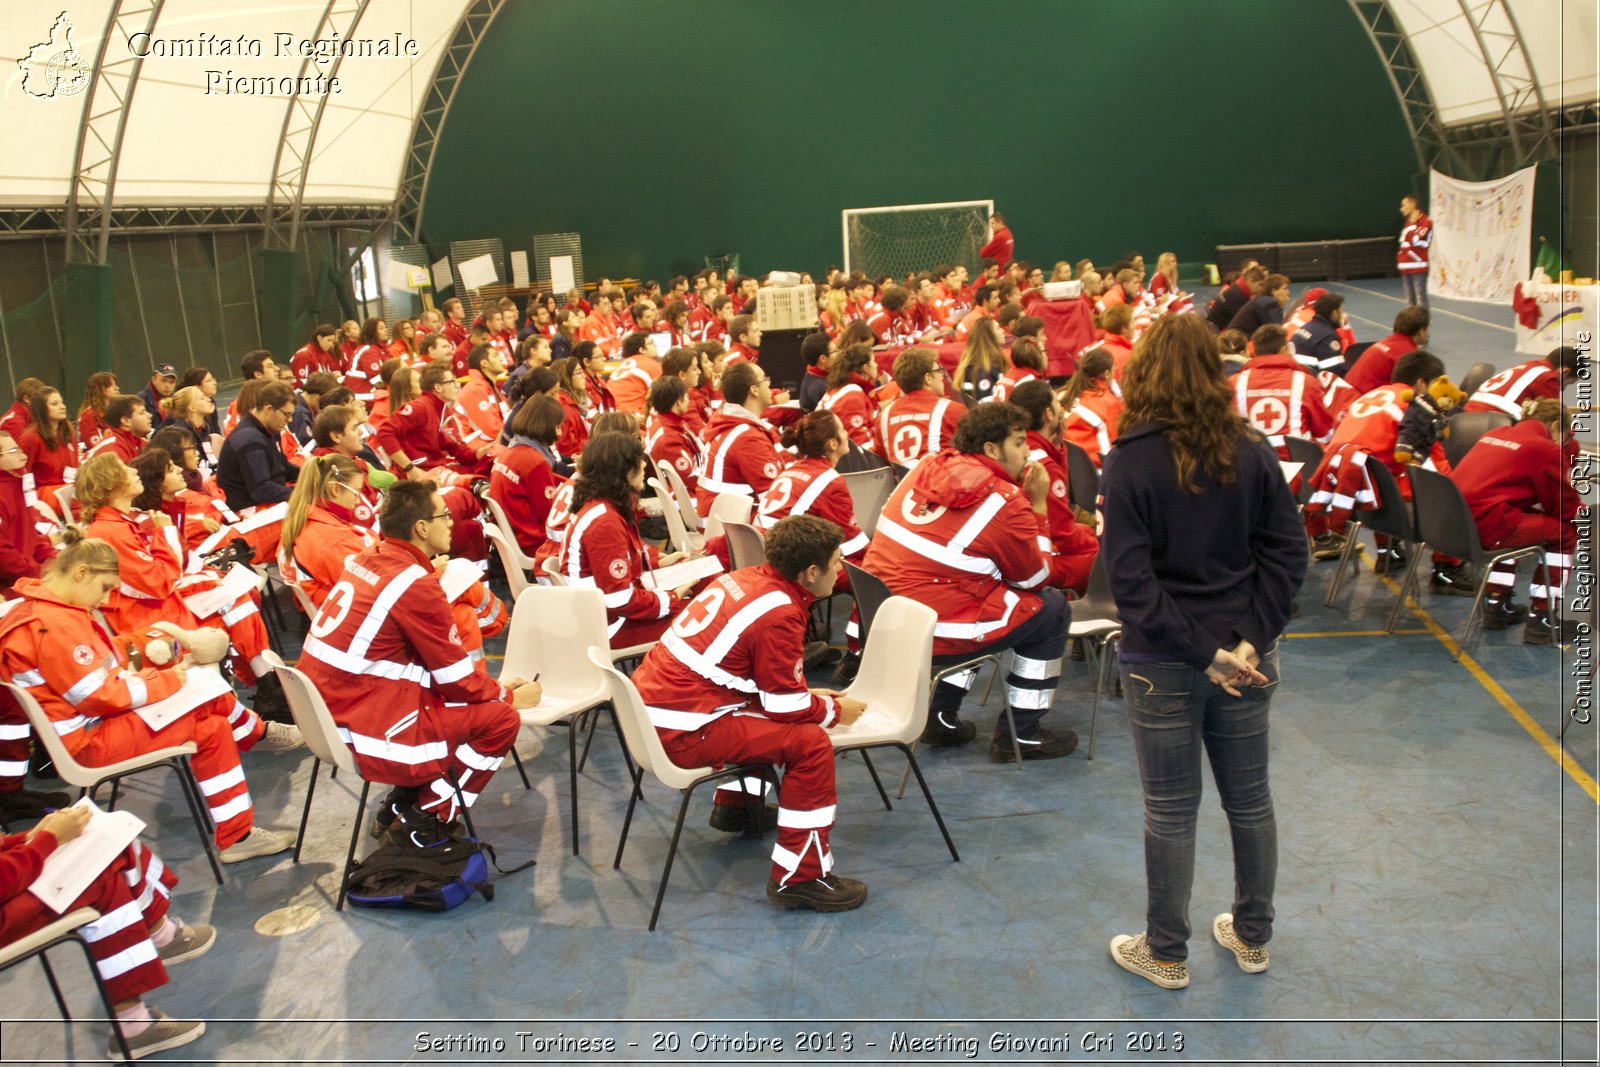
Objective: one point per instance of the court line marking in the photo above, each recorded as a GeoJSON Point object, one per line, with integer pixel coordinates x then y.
{"type": "Point", "coordinates": [1434, 310]}
{"type": "Point", "coordinates": [1357, 633]}
{"type": "Point", "coordinates": [1504, 699]}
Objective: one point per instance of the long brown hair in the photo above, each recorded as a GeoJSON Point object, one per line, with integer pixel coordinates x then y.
{"type": "Point", "coordinates": [1175, 378]}
{"type": "Point", "coordinates": [54, 437]}
{"type": "Point", "coordinates": [983, 355]}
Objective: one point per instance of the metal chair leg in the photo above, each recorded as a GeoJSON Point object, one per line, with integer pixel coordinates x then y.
{"type": "Point", "coordinates": [105, 999]}
{"type": "Point", "coordinates": [517, 759]}
{"type": "Point", "coordinates": [672, 854]}
{"type": "Point", "coordinates": [116, 791]}
{"type": "Point", "coordinates": [911, 763]}
{"type": "Point", "coordinates": [572, 777]}
{"type": "Point", "coordinates": [905, 776]}
{"type": "Point", "coordinates": [55, 987]}
{"type": "Point", "coordinates": [627, 819]}
{"type": "Point", "coordinates": [355, 836]}
{"type": "Point", "coordinates": [867, 759]}
{"type": "Point", "coordinates": [1472, 616]}
{"type": "Point", "coordinates": [1407, 583]}
{"type": "Point", "coordinates": [594, 720]}
{"type": "Point", "coordinates": [1101, 668]}
{"type": "Point", "coordinates": [1352, 543]}
{"type": "Point", "coordinates": [305, 815]}
{"type": "Point", "coordinates": [197, 808]}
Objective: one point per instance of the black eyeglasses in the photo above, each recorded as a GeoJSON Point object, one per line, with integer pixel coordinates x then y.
{"type": "Point", "coordinates": [442, 515]}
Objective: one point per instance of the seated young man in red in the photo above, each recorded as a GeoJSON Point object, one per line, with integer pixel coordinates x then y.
{"type": "Point", "coordinates": [1375, 366]}
{"type": "Point", "coordinates": [1507, 391]}
{"type": "Point", "coordinates": [386, 656]}
{"type": "Point", "coordinates": [921, 420]}
{"type": "Point", "coordinates": [741, 449]}
{"type": "Point", "coordinates": [962, 534]}
{"type": "Point", "coordinates": [1277, 395]}
{"type": "Point", "coordinates": [727, 685]}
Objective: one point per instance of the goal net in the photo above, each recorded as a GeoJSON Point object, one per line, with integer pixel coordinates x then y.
{"type": "Point", "coordinates": [915, 237]}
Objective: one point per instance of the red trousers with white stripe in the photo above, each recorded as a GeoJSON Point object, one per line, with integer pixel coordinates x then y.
{"type": "Point", "coordinates": [14, 735]}
{"type": "Point", "coordinates": [246, 632]}
{"type": "Point", "coordinates": [215, 762]}
{"type": "Point", "coordinates": [806, 799]}
{"type": "Point", "coordinates": [1550, 573]}
{"type": "Point", "coordinates": [442, 748]}
{"type": "Point", "coordinates": [131, 896]}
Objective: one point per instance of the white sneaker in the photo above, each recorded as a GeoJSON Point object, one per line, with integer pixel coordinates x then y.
{"type": "Point", "coordinates": [258, 842]}
{"type": "Point", "coordinates": [280, 737]}
{"type": "Point", "coordinates": [1252, 958]}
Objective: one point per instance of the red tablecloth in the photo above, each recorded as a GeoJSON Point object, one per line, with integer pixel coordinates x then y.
{"type": "Point", "coordinates": [1068, 329]}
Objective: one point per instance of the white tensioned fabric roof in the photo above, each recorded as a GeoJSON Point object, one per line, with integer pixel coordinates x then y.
{"type": "Point", "coordinates": [1560, 36]}
{"type": "Point", "coordinates": [182, 146]}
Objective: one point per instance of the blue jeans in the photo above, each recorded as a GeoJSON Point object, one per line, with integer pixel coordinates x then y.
{"type": "Point", "coordinates": [1416, 288]}
{"type": "Point", "coordinates": [1174, 710]}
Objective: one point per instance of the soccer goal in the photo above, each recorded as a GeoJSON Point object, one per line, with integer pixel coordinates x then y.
{"type": "Point", "coordinates": [908, 237]}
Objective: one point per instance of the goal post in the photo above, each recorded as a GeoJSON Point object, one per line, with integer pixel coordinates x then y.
{"type": "Point", "coordinates": [909, 237]}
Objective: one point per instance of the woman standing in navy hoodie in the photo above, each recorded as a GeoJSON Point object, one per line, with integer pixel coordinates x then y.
{"type": "Point", "coordinates": [1205, 552]}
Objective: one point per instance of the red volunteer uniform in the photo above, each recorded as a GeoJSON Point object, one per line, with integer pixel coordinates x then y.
{"type": "Point", "coordinates": [1091, 423]}
{"type": "Point", "coordinates": [329, 540]}
{"type": "Point", "coordinates": [479, 413]}
{"type": "Point", "coordinates": [1281, 400]}
{"type": "Point", "coordinates": [1415, 238]}
{"type": "Point", "coordinates": [419, 431]}
{"type": "Point", "coordinates": [51, 467]}
{"type": "Point", "coordinates": [1072, 546]}
{"type": "Point", "coordinates": [90, 427]}
{"type": "Point", "coordinates": [630, 382]}
{"type": "Point", "coordinates": [408, 700]}
{"type": "Point", "coordinates": [1368, 431]}
{"type": "Point", "coordinates": [855, 410]}
{"type": "Point", "coordinates": [362, 377]}
{"type": "Point", "coordinates": [602, 551]}
{"type": "Point", "coordinates": [727, 684]}
{"type": "Point", "coordinates": [1013, 377]}
{"type": "Point", "coordinates": [813, 487]}
{"type": "Point", "coordinates": [23, 550]}
{"type": "Point", "coordinates": [1508, 390]}
{"type": "Point", "coordinates": [1375, 366]}
{"type": "Point", "coordinates": [741, 457]}
{"type": "Point", "coordinates": [574, 431]}
{"type": "Point", "coordinates": [310, 358]}
{"type": "Point", "coordinates": [917, 424]}
{"type": "Point", "coordinates": [739, 352]}
{"type": "Point", "coordinates": [999, 247]}
{"type": "Point", "coordinates": [78, 671]}
{"type": "Point", "coordinates": [523, 484]}
{"type": "Point", "coordinates": [1514, 480]}
{"type": "Point", "coordinates": [959, 536]}
{"type": "Point", "coordinates": [669, 440]}
{"type": "Point", "coordinates": [17, 419]}
{"type": "Point", "coordinates": [121, 443]}
{"type": "Point", "coordinates": [132, 896]}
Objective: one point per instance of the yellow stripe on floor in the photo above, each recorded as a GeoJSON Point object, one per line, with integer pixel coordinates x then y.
{"type": "Point", "coordinates": [1357, 633]}
{"type": "Point", "coordinates": [1493, 688]}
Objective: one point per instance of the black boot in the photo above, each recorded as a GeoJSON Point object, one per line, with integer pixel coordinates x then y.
{"type": "Point", "coordinates": [845, 672]}
{"type": "Point", "coordinates": [400, 797]}
{"type": "Point", "coordinates": [271, 703]}
{"type": "Point", "coordinates": [1500, 612]}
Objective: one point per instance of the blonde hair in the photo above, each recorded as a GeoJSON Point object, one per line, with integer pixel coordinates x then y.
{"type": "Point", "coordinates": [183, 402]}
{"type": "Point", "coordinates": [1550, 411]}
{"type": "Point", "coordinates": [311, 489]}
{"type": "Point", "coordinates": [99, 479]}
{"type": "Point", "coordinates": [78, 549]}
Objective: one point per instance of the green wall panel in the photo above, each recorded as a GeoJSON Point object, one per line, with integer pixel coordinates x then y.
{"type": "Point", "coordinates": [664, 132]}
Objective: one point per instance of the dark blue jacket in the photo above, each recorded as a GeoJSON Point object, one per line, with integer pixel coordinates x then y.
{"type": "Point", "coordinates": [252, 469]}
{"type": "Point", "coordinates": [1259, 312]}
{"type": "Point", "coordinates": [1194, 572]}
{"type": "Point", "coordinates": [1317, 342]}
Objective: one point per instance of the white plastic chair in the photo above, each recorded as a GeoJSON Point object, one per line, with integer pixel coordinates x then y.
{"type": "Point", "coordinates": [513, 548]}
{"type": "Point", "coordinates": [552, 630]}
{"type": "Point", "coordinates": [677, 508]}
{"type": "Point", "coordinates": [746, 547]}
{"type": "Point", "coordinates": [516, 576]}
{"type": "Point", "coordinates": [47, 937]}
{"type": "Point", "coordinates": [728, 507]}
{"type": "Point", "coordinates": [642, 741]}
{"type": "Point", "coordinates": [893, 683]}
{"type": "Point", "coordinates": [89, 779]}
{"type": "Point", "coordinates": [65, 496]}
{"type": "Point", "coordinates": [1095, 620]}
{"type": "Point", "coordinates": [869, 491]}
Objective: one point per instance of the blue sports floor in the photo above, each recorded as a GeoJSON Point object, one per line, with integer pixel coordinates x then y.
{"type": "Point", "coordinates": [1436, 896]}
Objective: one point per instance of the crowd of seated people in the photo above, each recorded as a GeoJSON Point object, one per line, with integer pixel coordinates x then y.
{"type": "Point", "coordinates": [369, 459]}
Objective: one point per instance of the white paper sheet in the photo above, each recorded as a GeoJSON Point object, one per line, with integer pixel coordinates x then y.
{"type": "Point", "coordinates": [203, 684]}
{"type": "Point", "coordinates": [561, 279]}
{"type": "Point", "coordinates": [478, 271]}
{"type": "Point", "coordinates": [71, 867]}
{"type": "Point", "coordinates": [239, 581]}
{"type": "Point", "coordinates": [442, 278]}
{"type": "Point", "coordinates": [519, 269]}
{"type": "Point", "coordinates": [457, 578]}
{"type": "Point", "coordinates": [261, 517]}
{"type": "Point", "coordinates": [679, 574]}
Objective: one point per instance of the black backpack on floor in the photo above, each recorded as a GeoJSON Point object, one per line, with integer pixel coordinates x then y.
{"type": "Point", "coordinates": [424, 879]}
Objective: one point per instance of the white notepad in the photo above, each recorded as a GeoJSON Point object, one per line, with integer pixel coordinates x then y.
{"type": "Point", "coordinates": [686, 572]}
{"type": "Point", "coordinates": [202, 684]}
{"type": "Point", "coordinates": [239, 581]}
{"type": "Point", "coordinates": [71, 867]}
{"type": "Point", "coordinates": [457, 577]}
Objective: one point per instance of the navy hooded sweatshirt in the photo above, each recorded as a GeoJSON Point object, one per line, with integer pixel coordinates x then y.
{"type": "Point", "coordinates": [1195, 572]}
